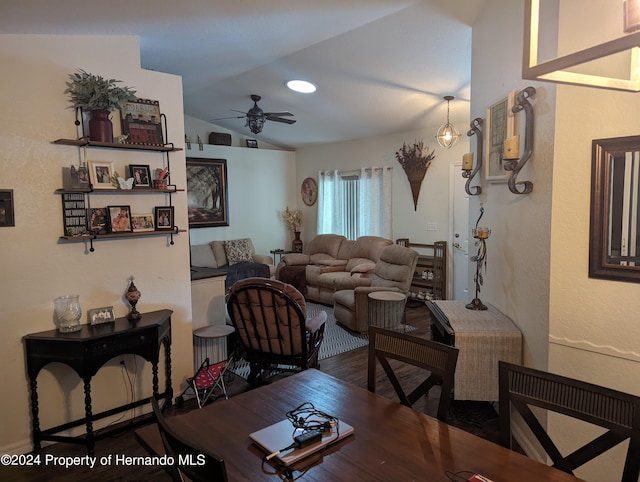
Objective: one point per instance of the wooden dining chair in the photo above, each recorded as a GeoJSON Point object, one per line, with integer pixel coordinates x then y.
{"type": "Point", "coordinates": [439, 359]}
{"type": "Point", "coordinates": [615, 411]}
{"type": "Point", "coordinates": [188, 457]}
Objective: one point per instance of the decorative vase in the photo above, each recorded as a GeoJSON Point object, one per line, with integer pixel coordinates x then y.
{"type": "Point", "coordinates": [100, 126]}
{"type": "Point", "coordinates": [133, 295]}
{"type": "Point", "coordinates": [296, 244]}
{"type": "Point", "coordinates": [67, 311]}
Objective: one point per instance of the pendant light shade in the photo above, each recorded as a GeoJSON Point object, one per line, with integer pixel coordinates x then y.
{"type": "Point", "coordinates": [448, 135]}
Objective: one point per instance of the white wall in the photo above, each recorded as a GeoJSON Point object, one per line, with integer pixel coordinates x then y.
{"type": "Point", "coordinates": [36, 267]}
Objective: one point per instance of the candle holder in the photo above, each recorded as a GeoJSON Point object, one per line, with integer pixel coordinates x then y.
{"type": "Point", "coordinates": [469, 174]}
{"type": "Point", "coordinates": [515, 164]}
{"type": "Point", "coordinates": [481, 234]}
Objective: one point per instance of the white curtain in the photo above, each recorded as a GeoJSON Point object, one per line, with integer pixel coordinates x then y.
{"type": "Point", "coordinates": [355, 203]}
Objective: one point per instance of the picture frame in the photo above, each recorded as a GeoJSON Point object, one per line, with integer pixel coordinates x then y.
{"type": "Point", "coordinates": [6, 208]}
{"type": "Point", "coordinates": [500, 125]}
{"type": "Point", "coordinates": [141, 174]}
{"type": "Point", "coordinates": [119, 219]}
{"type": "Point", "coordinates": [100, 174]}
{"type": "Point", "coordinates": [207, 194]}
{"type": "Point", "coordinates": [253, 143]}
{"type": "Point", "coordinates": [97, 316]}
{"type": "Point", "coordinates": [143, 222]}
{"type": "Point", "coordinates": [309, 191]}
{"type": "Point", "coordinates": [97, 220]}
{"type": "Point", "coordinates": [164, 218]}
{"type": "Point", "coordinates": [141, 122]}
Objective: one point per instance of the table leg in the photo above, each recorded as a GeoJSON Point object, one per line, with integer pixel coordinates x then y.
{"type": "Point", "coordinates": [90, 439]}
{"type": "Point", "coordinates": [167, 370]}
{"type": "Point", "coordinates": [35, 419]}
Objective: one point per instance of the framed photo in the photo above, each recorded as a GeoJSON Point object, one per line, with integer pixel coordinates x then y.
{"type": "Point", "coordinates": [100, 174]}
{"type": "Point", "coordinates": [164, 218]}
{"type": "Point", "coordinates": [98, 220]}
{"type": "Point", "coordinates": [208, 204]}
{"type": "Point", "coordinates": [100, 315]}
{"type": "Point", "coordinates": [141, 122]}
{"type": "Point", "coordinates": [252, 143]}
{"type": "Point", "coordinates": [6, 208]}
{"type": "Point", "coordinates": [309, 191]}
{"type": "Point", "coordinates": [500, 125]}
{"type": "Point", "coordinates": [120, 219]}
{"type": "Point", "coordinates": [141, 175]}
{"type": "Point", "coordinates": [142, 222]}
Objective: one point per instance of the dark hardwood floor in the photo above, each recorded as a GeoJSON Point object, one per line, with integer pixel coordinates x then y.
{"type": "Point", "coordinates": [350, 366]}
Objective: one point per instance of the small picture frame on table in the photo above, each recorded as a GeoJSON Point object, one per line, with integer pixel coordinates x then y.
{"type": "Point", "coordinates": [100, 174]}
{"type": "Point", "coordinates": [141, 175]}
{"type": "Point", "coordinates": [97, 316]}
{"type": "Point", "coordinates": [142, 222]}
{"type": "Point", "coordinates": [164, 218]}
{"type": "Point", "coordinates": [6, 208]}
{"type": "Point", "coordinates": [120, 219]}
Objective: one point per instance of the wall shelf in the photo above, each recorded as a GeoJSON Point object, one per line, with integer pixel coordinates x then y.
{"type": "Point", "coordinates": [430, 277]}
{"type": "Point", "coordinates": [82, 142]}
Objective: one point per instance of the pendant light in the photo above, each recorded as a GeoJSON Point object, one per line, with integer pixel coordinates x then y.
{"type": "Point", "coordinates": [448, 135]}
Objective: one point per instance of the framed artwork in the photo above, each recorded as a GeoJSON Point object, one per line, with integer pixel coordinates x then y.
{"type": "Point", "coordinates": [96, 316]}
{"type": "Point", "coordinates": [100, 174]}
{"type": "Point", "coordinates": [141, 122]}
{"type": "Point", "coordinates": [207, 196]}
{"type": "Point", "coordinates": [500, 125]}
{"type": "Point", "coordinates": [309, 191]}
{"type": "Point", "coordinates": [164, 218]}
{"type": "Point", "coordinates": [252, 143]}
{"type": "Point", "coordinates": [6, 208]}
{"type": "Point", "coordinates": [141, 175]}
{"type": "Point", "coordinates": [142, 222]}
{"type": "Point", "coordinates": [119, 219]}
{"type": "Point", "coordinates": [98, 220]}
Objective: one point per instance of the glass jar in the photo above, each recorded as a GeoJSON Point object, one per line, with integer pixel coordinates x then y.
{"type": "Point", "coordinates": [67, 312]}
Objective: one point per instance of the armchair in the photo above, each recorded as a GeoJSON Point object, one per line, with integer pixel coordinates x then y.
{"type": "Point", "coordinates": [270, 321]}
{"type": "Point", "coordinates": [393, 272]}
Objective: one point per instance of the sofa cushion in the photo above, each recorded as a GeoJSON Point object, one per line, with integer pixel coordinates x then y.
{"type": "Point", "coordinates": [202, 255]}
{"type": "Point", "coordinates": [237, 251]}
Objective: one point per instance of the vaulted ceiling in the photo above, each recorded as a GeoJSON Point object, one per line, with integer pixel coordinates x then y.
{"type": "Point", "coordinates": [381, 66]}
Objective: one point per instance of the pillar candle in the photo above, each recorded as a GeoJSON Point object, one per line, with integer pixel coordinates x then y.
{"type": "Point", "coordinates": [467, 161]}
{"type": "Point", "coordinates": [512, 148]}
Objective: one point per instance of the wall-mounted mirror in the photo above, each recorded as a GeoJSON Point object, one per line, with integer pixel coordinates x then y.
{"type": "Point", "coordinates": [614, 245]}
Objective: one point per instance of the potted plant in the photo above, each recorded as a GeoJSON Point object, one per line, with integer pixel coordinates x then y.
{"type": "Point", "coordinates": [100, 96]}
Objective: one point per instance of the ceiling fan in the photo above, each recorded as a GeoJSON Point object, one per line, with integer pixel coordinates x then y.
{"type": "Point", "coordinates": [256, 116]}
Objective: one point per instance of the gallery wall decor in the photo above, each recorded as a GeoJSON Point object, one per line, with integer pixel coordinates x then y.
{"type": "Point", "coordinates": [500, 125]}
{"type": "Point", "coordinates": [207, 195]}
{"type": "Point", "coordinates": [468, 171]}
{"type": "Point", "coordinates": [614, 241]}
{"type": "Point", "coordinates": [415, 160]}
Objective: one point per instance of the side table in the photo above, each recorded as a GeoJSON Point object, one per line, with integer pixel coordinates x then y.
{"type": "Point", "coordinates": [386, 308]}
{"type": "Point", "coordinates": [279, 253]}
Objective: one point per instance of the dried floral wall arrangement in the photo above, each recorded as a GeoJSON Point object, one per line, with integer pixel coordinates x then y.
{"type": "Point", "coordinates": [415, 160]}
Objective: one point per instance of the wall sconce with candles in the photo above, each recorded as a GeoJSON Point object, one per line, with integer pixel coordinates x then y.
{"type": "Point", "coordinates": [511, 158]}
{"type": "Point", "coordinates": [467, 159]}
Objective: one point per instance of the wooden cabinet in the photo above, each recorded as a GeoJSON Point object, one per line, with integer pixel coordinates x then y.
{"type": "Point", "coordinates": [76, 203]}
{"type": "Point", "coordinates": [430, 276]}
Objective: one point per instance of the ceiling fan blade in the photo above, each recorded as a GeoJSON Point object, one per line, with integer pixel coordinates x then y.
{"type": "Point", "coordinates": [225, 118]}
{"type": "Point", "coordinates": [280, 119]}
{"type": "Point", "coordinates": [277, 114]}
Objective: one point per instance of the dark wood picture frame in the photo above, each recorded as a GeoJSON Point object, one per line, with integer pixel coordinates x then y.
{"type": "Point", "coordinates": [164, 218]}
{"type": "Point", "coordinates": [141, 122]}
{"type": "Point", "coordinates": [141, 174]}
{"type": "Point", "coordinates": [6, 208]}
{"type": "Point", "coordinates": [309, 191]}
{"type": "Point", "coordinates": [119, 219]}
{"type": "Point", "coordinates": [207, 194]}
{"type": "Point", "coordinates": [614, 241]}
{"type": "Point", "coordinates": [253, 143]}
{"type": "Point", "coordinates": [98, 220]}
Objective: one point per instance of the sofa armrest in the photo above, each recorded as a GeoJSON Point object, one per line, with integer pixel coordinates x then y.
{"type": "Point", "coordinates": [295, 259]}
{"type": "Point", "coordinates": [261, 258]}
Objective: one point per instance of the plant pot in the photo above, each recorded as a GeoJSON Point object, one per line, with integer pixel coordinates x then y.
{"type": "Point", "coordinates": [100, 126]}
{"type": "Point", "coordinates": [296, 244]}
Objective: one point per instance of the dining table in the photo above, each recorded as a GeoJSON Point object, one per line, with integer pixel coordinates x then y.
{"type": "Point", "coordinates": [391, 442]}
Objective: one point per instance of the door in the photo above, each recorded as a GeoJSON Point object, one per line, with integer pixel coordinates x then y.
{"type": "Point", "coordinates": [459, 236]}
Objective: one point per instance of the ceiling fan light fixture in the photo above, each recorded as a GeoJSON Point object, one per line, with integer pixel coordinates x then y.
{"type": "Point", "coordinates": [301, 86]}
{"type": "Point", "coordinates": [448, 135]}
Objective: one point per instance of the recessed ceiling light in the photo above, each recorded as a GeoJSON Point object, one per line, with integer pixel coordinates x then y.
{"type": "Point", "coordinates": [301, 86]}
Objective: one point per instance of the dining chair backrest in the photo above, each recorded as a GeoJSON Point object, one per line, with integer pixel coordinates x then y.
{"type": "Point", "coordinates": [197, 463]}
{"type": "Point", "coordinates": [618, 412]}
{"type": "Point", "coordinates": [439, 359]}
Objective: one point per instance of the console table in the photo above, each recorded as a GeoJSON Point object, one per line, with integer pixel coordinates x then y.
{"type": "Point", "coordinates": [483, 338]}
{"type": "Point", "coordinates": [86, 351]}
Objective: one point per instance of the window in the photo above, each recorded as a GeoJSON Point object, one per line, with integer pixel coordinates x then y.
{"type": "Point", "coordinates": [355, 203]}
